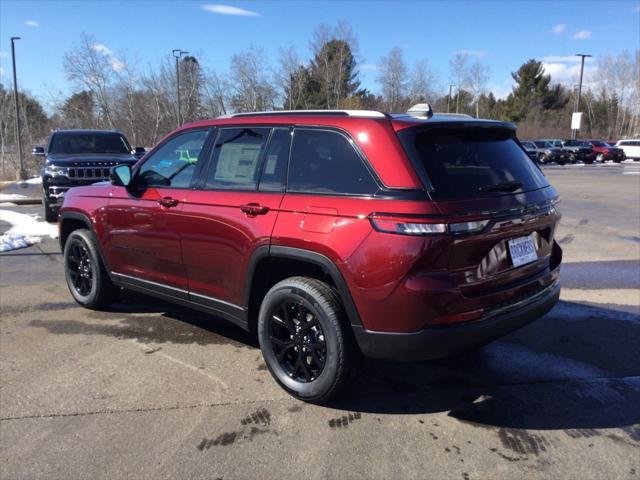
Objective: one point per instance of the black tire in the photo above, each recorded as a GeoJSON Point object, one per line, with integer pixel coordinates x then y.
{"type": "Point", "coordinates": [86, 275]}
{"type": "Point", "coordinates": [50, 213]}
{"type": "Point", "coordinates": [321, 321]}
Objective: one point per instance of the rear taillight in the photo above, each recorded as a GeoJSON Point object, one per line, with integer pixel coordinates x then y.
{"type": "Point", "coordinates": [404, 226]}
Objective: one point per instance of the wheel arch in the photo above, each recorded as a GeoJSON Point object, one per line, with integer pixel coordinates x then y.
{"type": "Point", "coordinates": [270, 264]}
{"type": "Point", "coordinates": [70, 221]}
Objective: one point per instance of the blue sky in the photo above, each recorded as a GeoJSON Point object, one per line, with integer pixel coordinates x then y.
{"type": "Point", "coordinates": [503, 34]}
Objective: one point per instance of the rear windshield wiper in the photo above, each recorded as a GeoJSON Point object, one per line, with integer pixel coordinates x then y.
{"type": "Point", "coordinates": [502, 187]}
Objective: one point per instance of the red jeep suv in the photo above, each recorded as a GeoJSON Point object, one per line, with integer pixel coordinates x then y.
{"type": "Point", "coordinates": [330, 233]}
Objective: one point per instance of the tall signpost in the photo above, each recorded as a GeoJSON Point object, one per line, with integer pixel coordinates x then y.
{"type": "Point", "coordinates": [577, 116]}
{"type": "Point", "coordinates": [178, 53]}
{"type": "Point", "coordinates": [22, 174]}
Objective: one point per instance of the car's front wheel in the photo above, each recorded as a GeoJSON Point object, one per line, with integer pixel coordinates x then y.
{"type": "Point", "coordinates": [303, 339]}
{"type": "Point", "coordinates": [86, 276]}
{"type": "Point", "coordinates": [50, 213]}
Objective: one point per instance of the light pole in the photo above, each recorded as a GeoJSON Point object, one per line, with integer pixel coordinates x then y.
{"type": "Point", "coordinates": [178, 53]}
{"type": "Point", "coordinates": [22, 173]}
{"type": "Point", "coordinates": [449, 99]}
{"type": "Point", "coordinates": [583, 56]}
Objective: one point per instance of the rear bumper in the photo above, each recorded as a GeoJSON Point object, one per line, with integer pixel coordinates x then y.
{"type": "Point", "coordinates": [438, 342]}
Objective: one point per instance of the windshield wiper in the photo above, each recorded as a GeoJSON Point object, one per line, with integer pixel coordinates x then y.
{"type": "Point", "coordinates": [501, 187]}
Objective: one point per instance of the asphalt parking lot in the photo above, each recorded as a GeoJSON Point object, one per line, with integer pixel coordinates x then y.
{"type": "Point", "coordinates": [149, 390]}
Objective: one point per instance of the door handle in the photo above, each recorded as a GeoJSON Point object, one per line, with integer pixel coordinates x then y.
{"type": "Point", "coordinates": [168, 202]}
{"type": "Point", "coordinates": [254, 209]}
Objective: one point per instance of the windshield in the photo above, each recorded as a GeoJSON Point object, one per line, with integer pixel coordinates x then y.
{"type": "Point", "coordinates": [599, 143]}
{"type": "Point", "coordinates": [463, 162]}
{"type": "Point", "coordinates": [89, 142]}
{"type": "Point", "coordinates": [542, 144]}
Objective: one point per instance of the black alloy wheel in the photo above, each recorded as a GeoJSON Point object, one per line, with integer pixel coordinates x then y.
{"type": "Point", "coordinates": [297, 340]}
{"type": "Point", "coordinates": [306, 340]}
{"type": "Point", "coordinates": [80, 269]}
{"type": "Point", "coordinates": [86, 275]}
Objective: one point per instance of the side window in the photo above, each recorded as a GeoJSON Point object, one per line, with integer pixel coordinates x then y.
{"type": "Point", "coordinates": [275, 161]}
{"type": "Point", "coordinates": [236, 158]}
{"type": "Point", "coordinates": [174, 163]}
{"type": "Point", "coordinates": [323, 161]}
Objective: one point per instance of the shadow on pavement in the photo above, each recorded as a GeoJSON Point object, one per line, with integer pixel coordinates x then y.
{"type": "Point", "coordinates": [576, 368]}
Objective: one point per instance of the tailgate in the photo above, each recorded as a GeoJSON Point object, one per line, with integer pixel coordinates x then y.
{"type": "Point", "coordinates": [482, 262]}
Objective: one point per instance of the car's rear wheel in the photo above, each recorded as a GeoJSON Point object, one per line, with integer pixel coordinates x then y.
{"type": "Point", "coordinates": [86, 276]}
{"type": "Point", "coordinates": [303, 339]}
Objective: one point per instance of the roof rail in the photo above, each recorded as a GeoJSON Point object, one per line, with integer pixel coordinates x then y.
{"type": "Point", "coordinates": [345, 113]}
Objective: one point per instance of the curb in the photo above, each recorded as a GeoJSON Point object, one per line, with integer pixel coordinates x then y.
{"type": "Point", "coordinates": [25, 201]}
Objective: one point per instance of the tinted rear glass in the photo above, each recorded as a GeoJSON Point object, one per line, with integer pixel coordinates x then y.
{"type": "Point", "coordinates": [324, 161]}
{"type": "Point", "coordinates": [460, 162]}
{"type": "Point", "coordinates": [88, 142]}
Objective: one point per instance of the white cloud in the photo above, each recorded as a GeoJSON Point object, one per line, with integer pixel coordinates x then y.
{"type": "Point", "coordinates": [561, 58]}
{"type": "Point", "coordinates": [98, 47]}
{"type": "Point", "coordinates": [582, 35]}
{"type": "Point", "coordinates": [1, 72]}
{"type": "Point", "coordinates": [568, 74]}
{"type": "Point", "coordinates": [229, 10]}
{"type": "Point", "coordinates": [31, 23]}
{"type": "Point", "coordinates": [502, 91]}
{"type": "Point", "coordinates": [558, 29]}
{"type": "Point", "coordinates": [473, 53]}
{"type": "Point", "coordinates": [4, 54]}
{"type": "Point", "coordinates": [117, 65]}
{"type": "Point", "coordinates": [369, 67]}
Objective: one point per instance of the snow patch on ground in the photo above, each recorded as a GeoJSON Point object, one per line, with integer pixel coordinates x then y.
{"type": "Point", "coordinates": [25, 230]}
{"type": "Point", "coordinates": [7, 197]}
{"type": "Point", "coordinates": [34, 181]}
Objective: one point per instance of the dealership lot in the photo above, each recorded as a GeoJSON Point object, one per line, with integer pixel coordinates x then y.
{"type": "Point", "coordinates": [153, 390]}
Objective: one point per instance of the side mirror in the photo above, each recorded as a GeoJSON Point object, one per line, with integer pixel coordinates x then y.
{"type": "Point", "coordinates": [38, 151]}
{"type": "Point", "coordinates": [139, 152]}
{"type": "Point", "coordinates": [120, 175]}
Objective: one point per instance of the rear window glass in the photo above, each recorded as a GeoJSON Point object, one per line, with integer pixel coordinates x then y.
{"type": "Point", "coordinates": [88, 142]}
{"type": "Point", "coordinates": [324, 161]}
{"type": "Point", "coordinates": [468, 162]}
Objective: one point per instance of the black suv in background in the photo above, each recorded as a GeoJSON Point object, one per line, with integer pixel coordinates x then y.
{"type": "Point", "coordinates": [579, 150]}
{"type": "Point", "coordinates": [80, 157]}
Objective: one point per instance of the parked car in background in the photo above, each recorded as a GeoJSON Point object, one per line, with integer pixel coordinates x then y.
{"type": "Point", "coordinates": [330, 233]}
{"type": "Point", "coordinates": [79, 157]}
{"type": "Point", "coordinates": [579, 150]}
{"type": "Point", "coordinates": [631, 148]}
{"type": "Point", "coordinates": [531, 149]}
{"type": "Point", "coordinates": [554, 142]}
{"type": "Point", "coordinates": [604, 151]}
{"type": "Point", "coordinates": [547, 153]}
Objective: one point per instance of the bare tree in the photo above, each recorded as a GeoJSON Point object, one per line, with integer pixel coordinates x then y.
{"type": "Point", "coordinates": [392, 78]}
{"type": "Point", "coordinates": [423, 83]}
{"type": "Point", "coordinates": [477, 80]}
{"type": "Point", "coordinates": [291, 78]}
{"type": "Point", "coordinates": [91, 66]}
{"type": "Point", "coordinates": [459, 73]}
{"type": "Point", "coordinates": [215, 94]}
{"type": "Point", "coordinates": [252, 89]}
